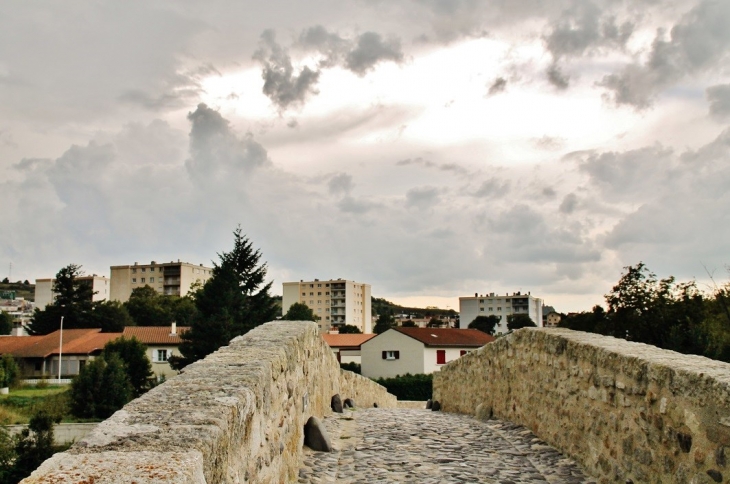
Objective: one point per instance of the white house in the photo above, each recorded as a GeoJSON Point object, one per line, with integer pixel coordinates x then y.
{"type": "Point", "coordinates": [346, 347]}
{"type": "Point", "coordinates": [417, 350]}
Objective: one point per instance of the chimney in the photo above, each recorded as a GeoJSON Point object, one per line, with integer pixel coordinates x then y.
{"type": "Point", "coordinates": [173, 329]}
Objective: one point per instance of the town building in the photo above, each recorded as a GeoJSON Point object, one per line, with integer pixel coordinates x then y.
{"type": "Point", "coordinates": [168, 278]}
{"type": "Point", "coordinates": [346, 347]}
{"type": "Point", "coordinates": [44, 295]}
{"type": "Point", "coordinates": [398, 351]}
{"type": "Point", "coordinates": [552, 319]}
{"type": "Point", "coordinates": [501, 306]}
{"type": "Point", "coordinates": [336, 302]}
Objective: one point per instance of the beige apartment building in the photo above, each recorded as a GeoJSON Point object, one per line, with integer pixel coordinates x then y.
{"type": "Point", "coordinates": [168, 278]}
{"type": "Point", "coordinates": [336, 302]}
{"type": "Point", "coordinates": [44, 294]}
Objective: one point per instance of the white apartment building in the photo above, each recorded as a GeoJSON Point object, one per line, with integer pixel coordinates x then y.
{"type": "Point", "coordinates": [336, 302]}
{"type": "Point", "coordinates": [498, 305]}
{"type": "Point", "coordinates": [44, 294]}
{"type": "Point", "coordinates": [168, 278]}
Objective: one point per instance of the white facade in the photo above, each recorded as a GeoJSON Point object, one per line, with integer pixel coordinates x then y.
{"type": "Point", "coordinates": [168, 278]}
{"type": "Point", "coordinates": [44, 295]}
{"type": "Point", "coordinates": [501, 306]}
{"type": "Point", "coordinates": [336, 302]}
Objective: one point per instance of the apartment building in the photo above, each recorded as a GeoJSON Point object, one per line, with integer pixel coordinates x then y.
{"type": "Point", "coordinates": [336, 302]}
{"type": "Point", "coordinates": [168, 278]}
{"type": "Point", "coordinates": [501, 306]}
{"type": "Point", "coordinates": [44, 294]}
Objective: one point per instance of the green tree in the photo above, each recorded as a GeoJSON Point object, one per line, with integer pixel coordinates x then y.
{"type": "Point", "coordinates": [300, 312]}
{"type": "Point", "coordinates": [136, 364]}
{"type": "Point", "coordinates": [233, 301]}
{"type": "Point", "coordinates": [101, 388]}
{"type": "Point", "coordinates": [517, 321]}
{"type": "Point", "coordinates": [591, 321]}
{"type": "Point", "coordinates": [485, 324]}
{"type": "Point", "coordinates": [7, 455]}
{"type": "Point", "coordinates": [6, 323]}
{"type": "Point", "coordinates": [110, 316]}
{"type": "Point", "coordinates": [386, 320]}
{"type": "Point", "coordinates": [408, 324]}
{"type": "Point", "coordinates": [73, 301]}
{"type": "Point", "coordinates": [349, 329]}
{"type": "Point", "coordinates": [33, 446]}
{"type": "Point", "coordinates": [10, 371]}
{"type": "Point", "coordinates": [146, 307]}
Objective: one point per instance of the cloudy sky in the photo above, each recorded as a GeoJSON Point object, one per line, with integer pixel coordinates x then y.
{"type": "Point", "coordinates": [431, 148]}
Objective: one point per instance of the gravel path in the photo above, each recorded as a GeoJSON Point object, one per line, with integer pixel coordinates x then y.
{"type": "Point", "coordinates": [404, 445]}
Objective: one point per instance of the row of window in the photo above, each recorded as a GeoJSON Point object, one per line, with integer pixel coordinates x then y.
{"type": "Point", "coordinates": [440, 355]}
{"type": "Point", "coordinates": [142, 280]}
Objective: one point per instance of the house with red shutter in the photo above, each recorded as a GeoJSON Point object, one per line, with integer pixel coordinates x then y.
{"type": "Point", "coordinates": [417, 350]}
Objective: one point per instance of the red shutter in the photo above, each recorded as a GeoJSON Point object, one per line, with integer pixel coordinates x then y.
{"type": "Point", "coordinates": [440, 357]}
{"type": "Point", "coordinates": [397, 355]}
{"type": "Point", "coordinates": [462, 352]}
{"type": "Point", "coordinates": [385, 354]}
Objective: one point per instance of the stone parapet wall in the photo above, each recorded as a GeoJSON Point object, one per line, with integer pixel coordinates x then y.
{"type": "Point", "coordinates": [236, 416]}
{"type": "Point", "coordinates": [624, 410]}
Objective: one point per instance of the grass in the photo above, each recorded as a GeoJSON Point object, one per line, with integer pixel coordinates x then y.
{"type": "Point", "coordinates": [23, 402]}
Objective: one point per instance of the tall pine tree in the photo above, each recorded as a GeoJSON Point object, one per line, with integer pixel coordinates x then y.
{"type": "Point", "coordinates": [232, 302]}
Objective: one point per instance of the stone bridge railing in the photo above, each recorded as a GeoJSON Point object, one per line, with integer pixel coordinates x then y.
{"type": "Point", "coordinates": [236, 416]}
{"type": "Point", "coordinates": [628, 412]}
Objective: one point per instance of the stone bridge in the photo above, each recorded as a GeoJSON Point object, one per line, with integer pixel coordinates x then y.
{"type": "Point", "coordinates": [617, 411]}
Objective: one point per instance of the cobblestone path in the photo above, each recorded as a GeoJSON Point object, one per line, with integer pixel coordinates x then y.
{"type": "Point", "coordinates": [419, 446]}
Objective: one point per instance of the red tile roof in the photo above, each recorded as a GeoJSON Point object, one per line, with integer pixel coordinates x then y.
{"type": "Point", "coordinates": [346, 340]}
{"type": "Point", "coordinates": [448, 337]}
{"type": "Point", "coordinates": [154, 335]}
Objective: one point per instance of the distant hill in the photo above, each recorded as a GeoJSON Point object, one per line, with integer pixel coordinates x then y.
{"type": "Point", "coordinates": [21, 289]}
{"type": "Point", "coordinates": [380, 304]}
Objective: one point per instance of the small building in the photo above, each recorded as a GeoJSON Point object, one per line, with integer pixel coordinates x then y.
{"type": "Point", "coordinates": [162, 342]}
{"type": "Point", "coordinates": [168, 278]}
{"type": "Point", "coordinates": [491, 304]}
{"type": "Point", "coordinates": [347, 347]}
{"type": "Point", "coordinates": [398, 351]}
{"type": "Point", "coordinates": [552, 319]}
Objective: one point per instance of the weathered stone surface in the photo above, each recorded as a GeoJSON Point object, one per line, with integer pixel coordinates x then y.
{"type": "Point", "coordinates": [336, 403]}
{"type": "Point", "coordinates": [625, 411]}
{"type": "Point", "coordinates": [315, 436]}
{"type": "Point", "coordinates": [236, 416]}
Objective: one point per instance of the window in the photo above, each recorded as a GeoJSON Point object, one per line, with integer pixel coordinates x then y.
{"type": "Point", "coordinates": [391, 355]}
{"type": "Point", "coordinates": [440, 357]}
{"type": "Point", "coordinates": [499, 309]}
{"type": "Point", "coordinates": [311, 294]}
{"type": "Point", "coordinates": [319, 285]}
{"type": "Point", "coordinates": [152, 279]}
{"type": "Point", "coordinates": [319, 294]}
{"type": "Point", "coordinates": [304, 294]}
{"type": "Point", "coordinates": [134, 280]}
{"type": "Point", "coordinates": [327, 293]}
{"type": "Point", "coordinates": [481, 301]}
{"type": "Point", "coordinates": [491, 309]}
{"type": "Point", "coordinates": [144, 269]}
{"type": "Point", "coordinates": [159, 356]}
{"type": "Point", "coordinates": [142, 280]}
{"type": "Point", "coordinates": [326, 285]}
{"type": "Point", "coordinates": [482, 309]}
{"type": "Point", "coordinates": [134, 271]}
{"type": "Point", "coordinates": [311, 285]}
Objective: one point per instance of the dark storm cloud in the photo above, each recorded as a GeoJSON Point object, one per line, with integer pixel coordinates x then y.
{"type": "Point", "coordinates": [370, 49]}
{"type": "Point", "coordinates": [499, 85]}
{"type": "Point", "coordinates": [719, 98]}
{"type": "Point", "coordinates": [329, 44]}
{"type": "Point", "coordinates": [216, 153]}
{"type": "Point", "coordinates": [281, 84]}
{"type": "Point", "coordinates": [695, 44]}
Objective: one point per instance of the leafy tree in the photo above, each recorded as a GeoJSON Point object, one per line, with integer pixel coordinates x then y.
{"type": "Point", "coordinates": [593, 321]}
{"type": "Point", "coordinates": [33, 446]}
{"type": "Point", "coordinates": [6, 323]}
{"type": "Point", "coordinates": [7, 455]}
{"type": "Point", "coordinates": [485, 324]}
{"type": "Point", "coordinates": [6, 281]}
{"type": "Point", "coordinates": [300, 312]}
{"type": "Point", "coordinates": [101, 388]}
{"type": "Point", "coordinates": [73, 302]}
{"type": "Point", "coordinates": [408, 324]}
{"type": "Point", "coordinates": [233, 301]}
{"type": "Point", "coordinates": [517, 321]}
{"type": "Point", "coordinates": [136, 363]}
{"type": "Point", "coordinates": [409, 387]}
{"type": "Point", "coordinates": [146, 307]}
{"type": "Point", "coordinates": [349, 329]}
{"type": "Point", "coordinates": [9, 370]}
{"type": "Point", "coordinates": [110, 316]}
{"type": "Point", "coordinates": [385, 322]}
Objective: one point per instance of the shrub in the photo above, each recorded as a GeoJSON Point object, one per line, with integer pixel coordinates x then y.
{"type": "Point", "coordinates": [409, 387]}
{"type": "Point", "coordinates": [352, 366]}
{"type": "Point", "coordinates": [101, 388]}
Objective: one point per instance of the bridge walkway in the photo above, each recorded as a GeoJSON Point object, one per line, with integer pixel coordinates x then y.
{"type": "Point", "coordinates": [377, 445]}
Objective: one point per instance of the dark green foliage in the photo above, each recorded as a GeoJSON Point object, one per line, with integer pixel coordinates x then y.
{"type": "Point", "coordinates": [101, 388]}
{"type": "Point", "coordinates": [379, 305]}
{"type": "Point", "coordinates": [349, 329]}
{"type": "Point", "coordinates": [9, 371]}
{"type": "Point", "coordinates": [485, 324]}
{"type": "Point", "coordinates": [32, 446]}
{"type": "Point", "coordinates": [6, 323]}
{"type": "Point", "coordinates": [408, 324]}
{"type": "Point", "coordinates": [110, 316]}
{"type": "Point", "coordinates": [517, 321]}
{"type": "Point", "coordinates": [147, 307]}
{"type": "Point", "coordinates": [352, 366]}
{"type": "Point", "coordinates": [7, 456]}
{"type": "Point", "coordinates": [136, 363]}
{"type": "Point", "coordinates": [409, 387]}
{"type": "Point", "coordinates": [300, 312]}
{"type": "Point", "coordinates": [233, 301]}
{"type": "Point", "coordinates": [385, 322]}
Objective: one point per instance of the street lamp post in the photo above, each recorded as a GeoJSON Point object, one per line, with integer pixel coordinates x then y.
{"type": "Point", "coordinates": [60, 351]}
